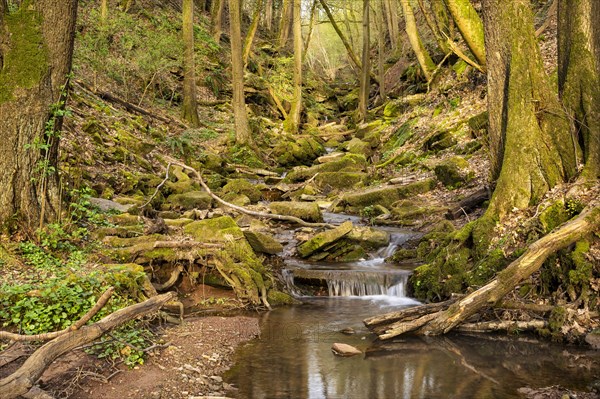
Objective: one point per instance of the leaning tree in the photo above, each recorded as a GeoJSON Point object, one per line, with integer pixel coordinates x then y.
{"type": "Point", "coordinates": [36, 48]}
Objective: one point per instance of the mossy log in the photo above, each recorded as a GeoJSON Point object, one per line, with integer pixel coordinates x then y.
{"type": "Point", "coordinates": [22, 380]}
{"type": "Point", "coordinates": [435, 321]}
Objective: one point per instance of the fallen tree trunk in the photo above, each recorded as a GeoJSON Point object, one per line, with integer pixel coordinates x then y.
{"type": "Point", "coordinates": [437, 321]}
{"type": "Point", "coordinates": [22, 380]}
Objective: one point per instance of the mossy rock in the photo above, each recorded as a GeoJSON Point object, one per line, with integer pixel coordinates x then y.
{"type": "Point", "coordinates": [367, 129]}
{"type": "Point", "coordinates": [553, 216]}
{"type": "Point", "coordinates": [237, 199]}
{"type": "Point", "coordinates": [243, 186]}
{"type": "Point", "coordinates": [191, 200]}
{"type": "Point", "coordinates": [290, 151]}
{"type": "Point", "coordinates": [262, 242]}
{"type": "Point", "coordinates": [340, 180]}
{"type": "Point", "coordinates": [180, 222]}
{"type": "Point", "coordinates": [350, 162]}
{"type": "Point", "coordinates": [125, 219]}
{"type": "Point", "coordinates": [368, 237]}
{"type": "Point", "coordinates": [439, 141]}
{"type": "Point", "coordinates": [408, 212]}
{"type": "Point", "coordinates": [385, 196]}
{"type": "Point", "coordinates": [308, 211]}
{"type": "Point", "coordinates": [323, 239]}
{"type": "Point", "coordinates": [182, 184]}
{"type": "Point", "coordinates": [357, 146]}
{"type": "Point", "coordinates": [478, 124]}
{"type": "Point", "coordinates": [453, 172]}
{"type": "Point", "coordinates": [278, 298]}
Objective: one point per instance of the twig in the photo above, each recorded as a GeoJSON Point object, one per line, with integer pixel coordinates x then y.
{"type": "Point", "coordinates": [158, 187]}
{"type": "Point", "coordinates": [48, 336]}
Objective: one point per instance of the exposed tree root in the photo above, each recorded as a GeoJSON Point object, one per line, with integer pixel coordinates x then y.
{"type": "Point", "coordinates": [434, 319]}
{"type": "Point", "coordinates": [22, 380]}
{"type": "Point", "coordinates": [171, 281]}
{"type": "Point", "coordinates": [80, 323]}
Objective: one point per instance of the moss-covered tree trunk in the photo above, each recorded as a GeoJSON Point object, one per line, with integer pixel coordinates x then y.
{"type": "Point", "coordinates": [36, 47]}
{"type": "Point", "coordinates": [579, 75]}
{"type": "Point", "coordinates": [365, 82]}
{"type": "Point", "coordinates": [292, 122]}
{"type": "Point", "coordinates": [425, 61]}
{"type": "Point", "coordinates": [103, 10]}
{"type": "Point", "coordinates": [252, 30]}
{"type": "Point", "coordinates": [380, 50]}
{"type": "Point", "coordinates": [285, 22]}
{"type": "Point", "coordinates": [531, 148]}
{"type": "Point", "coordinates": [470, 26]}
{"type": "Point", "coordinates": [345, 42]}
{"type": "Point", "coordinates": [242, 128]}
{"type": "Point", "coordinates": [216, 16]}
{"type": "Point", "coordinates": [190, 105]}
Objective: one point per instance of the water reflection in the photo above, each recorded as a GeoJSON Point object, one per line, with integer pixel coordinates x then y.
{"type": "Point", "coordinates": [293, 359]}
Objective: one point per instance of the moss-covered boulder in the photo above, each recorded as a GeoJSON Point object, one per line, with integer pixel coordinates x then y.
{"type": "Point", "coordinates": [323, 239]}
{"type": "Point", "coordinates": [439, 141]}
{"type": "Point", "coordinates": [369, 237]}
{"type": "Point", "coordinates": [409, 212]}
{"type": "Point", "coordinates": [263, 243]}
{"type": "Point", "coordinates": [291, 151]}
{"type": "Point", "coordinates": [242, 186]}
{"type": "Point", "coordinates": [453, 172]}
{"type": "Point", "coordinates": [384, 196]}
{"type": "Point", "coordinates": [553, 216]}
{"type": "Point", "coordinates": [190, 200]}
{"type": "Point", "coordinates": [340, 180]}
{"type": "Point", "coordinates": [357, 146]}
{"type": "Point", "coordinates": [308, 211]}
{"type": "Point", "coordinates": [334, 156]}
{"type": "Point", "coordinates": [182, 182]}
{"type": "Point", "coordinates": [278, 298]}
{"type": "Point", "coordinates": [348, 163]}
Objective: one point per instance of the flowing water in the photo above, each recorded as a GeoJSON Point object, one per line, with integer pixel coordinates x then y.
{"type": "Point", "coordinates": [293, 358]}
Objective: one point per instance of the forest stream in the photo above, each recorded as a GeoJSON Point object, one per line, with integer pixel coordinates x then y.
{"type": "Point", "coordinates": [293, 358]}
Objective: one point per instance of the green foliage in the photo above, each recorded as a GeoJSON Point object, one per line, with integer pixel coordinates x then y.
{"type": "Point", "coordinates": [127, 343]}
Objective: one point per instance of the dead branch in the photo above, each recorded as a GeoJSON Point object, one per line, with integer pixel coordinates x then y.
{"type": "Point", "coordinates": [274, 216]}
{"type": "Point", "coordinates": [185, 244]}
{"type": "Point", "coordinates": [551, 13]}
{"type": "Point", "coordinates": [22, 380]}
{"type": "Point", "coordinates": [81, 322]}
{"type": "Point", "coordinates": [492, 326]}
{"type": "Point", "coordinates": [440, 322]}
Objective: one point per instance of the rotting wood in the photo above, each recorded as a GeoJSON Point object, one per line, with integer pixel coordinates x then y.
{"type": "Point", "coordinates": [440, 322]}
{"type": "Point", "coordinates": [171, 281]}
{"type": "Point", "coordinates": [80, 323]}
{"type": "Point", "coordinates": [37, 393]}
{"type": "Point", "coordinates": [22, 380]}
{"type": "Point", "coordinates": [469, 204]}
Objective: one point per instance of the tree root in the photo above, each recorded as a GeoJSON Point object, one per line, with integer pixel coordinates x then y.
{"type": "Point", "coordinates": [22, 380]}
{"type": "Point", "coordinates": [435, 319]}
{"type": "Point", "coordinates": [80, 323]}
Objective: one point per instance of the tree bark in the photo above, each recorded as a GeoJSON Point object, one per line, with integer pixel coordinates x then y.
{"type": "Point", "coordinates": [36, 48]}
{"type": "Point", "coordinates": [190, 104]}
{"type": "Point", "coordinates": [380, 51]}
{"type": "Point", "coordinates": [292, 122]}
{"type": "Point", "coordinates": [285, 22]}
{"type": "Point", "coordinates": [425, 62]}
{"type": "Point", "coordinates": [22, 380]}
{"type": "Point", "coordinates": [434, 26]}
{"type": "Point", "coordinates": [470, 27]}
{"type": "Point", "coordinates": [269, 15]}
{"type": "Point", "coordinates": [252, 30]}
{"type": "Point", "coordinates": [365, 82]}
{"type": "Point", "coordinates": [103, 11]}
{"type": "Point", "coordinates": [216, 16]}
{"type": "Point", "coordinates": [242, 128]}
{"type": "Point", "coordinates": [531, 149]}
{"type": "Point", "coordinates": [341, 35]}
{"type": "Point", "coordinates": [311, 24]}
{"type": "Point", "coordinates": [579, 75]}
{"type": "Point", "coordinates": [393, 21]}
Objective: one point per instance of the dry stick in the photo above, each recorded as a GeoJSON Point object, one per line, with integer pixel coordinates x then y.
{"type": "Point", "coordinates": [551, 12]}
{"type": "Point", "coordinates": [275, 216]}
{"type": "Point", "coordinates": [22, 380]}
{"type": "Point", "coordinates": [456, 50]}
{"type": "Point", "coordinates": [47, 336]}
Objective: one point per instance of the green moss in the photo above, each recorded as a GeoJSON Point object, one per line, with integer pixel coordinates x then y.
{"type": "Point", "coordinates": [439, 141]}
{"type": "Point", "coordinates": [26, 61]}
{"type": "Point", "coordinates": [553, 216]}
{"type": "Point", "coordinates": [557, 319]}
{"type": "Point", "coordinates": [453, 172]}
{"type": "Point", "coordinates": [348, 163]}
{"type": "Point", "coordinates": [308, 211]}
{"type": "Point", "coordinates": [243, 186]}
{"type": "Point", "coordinates": [386, 196]}
{"type": "Point", "coordinates": [340, 180]}
{"type": "Point", "coordinates": [582, 271]}
{"type": "Point", "coordinates": [278, 298]}
{"type": "Point", "coordinates": [191, 200]}
{"type": "Point", "coordinates": [323, 239]}
{"type": "Point", "coordinates": [487, 268]}
{"type": "Point", "coordinates": [357, 146]}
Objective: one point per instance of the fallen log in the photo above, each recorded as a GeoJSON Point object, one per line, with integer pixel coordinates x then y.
{"type": "Point", "coordinates": [468, 204]}
{"type": "Point", "coordinates": [22, 380]}
{"type": "Point", "coordinates": [493, 326]}
{"type": "Point", "coordinates": [440, 322]}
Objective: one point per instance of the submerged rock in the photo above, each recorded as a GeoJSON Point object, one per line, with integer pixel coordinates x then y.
{"type": "Point", "coordinates": [339, 349]}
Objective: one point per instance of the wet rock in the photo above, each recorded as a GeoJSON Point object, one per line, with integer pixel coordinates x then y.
{"type": "Point", "coordinates": [453, 172]}
{"type": "Point", "coordinates": [261, 242]}
{"type": "Point", "coordinates": [593, 339]}
{"type": "Point", "coordinates": [323, 239]}
{"type": "Point", "coordinates": [368, 237]}
{"type": "Point", "coordinates": [307, 211]}
{"type": "Point", "coordinates": [348, 331]}
{"type": "Point", "coordinates": [191, 200]}
{"type": "Point", "coordinates": [339, 349]}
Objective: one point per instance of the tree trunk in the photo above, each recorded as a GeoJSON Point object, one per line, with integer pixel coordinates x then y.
{"type": "Point", "coordinates": [311, 23]}
{"type": "Point", "coordinates": [36, 57]}
{"type": "Point", "coordinates": [269, 15]}
{"type": "Point", "coordinates": [531, 149]}
{"type": "Point", "coordinates": [470, 26]}
{"type": "Point", "coordinates": [434, 26]}
{"type": "Point", "coordinates": [380, 51]}
{"type": "Point", "coordinates": [252, 30]}
{"type": "Point", "coordinates": [285, 22]}
{"type": "Point", "coordinates": [425, 61]}
{"type": "Point", "coordinates": [103, 11]}
{"type": "Point", "coordinates": [393, 21]}
{"type": "Point", "coordinates": [216, 16]}
{"type": "Point", "coordinates": [242, 129]}
{"type": "Point", "coordinates": [579, 75]}
{"type": "Point", "coordinates": [365, 82]}
{"type": "Point", "coordinates": [292, 123]}
{"type": "Point", "coordinates": [341, 35]}
{"type": "Point", "coordinates": [190, 106]}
